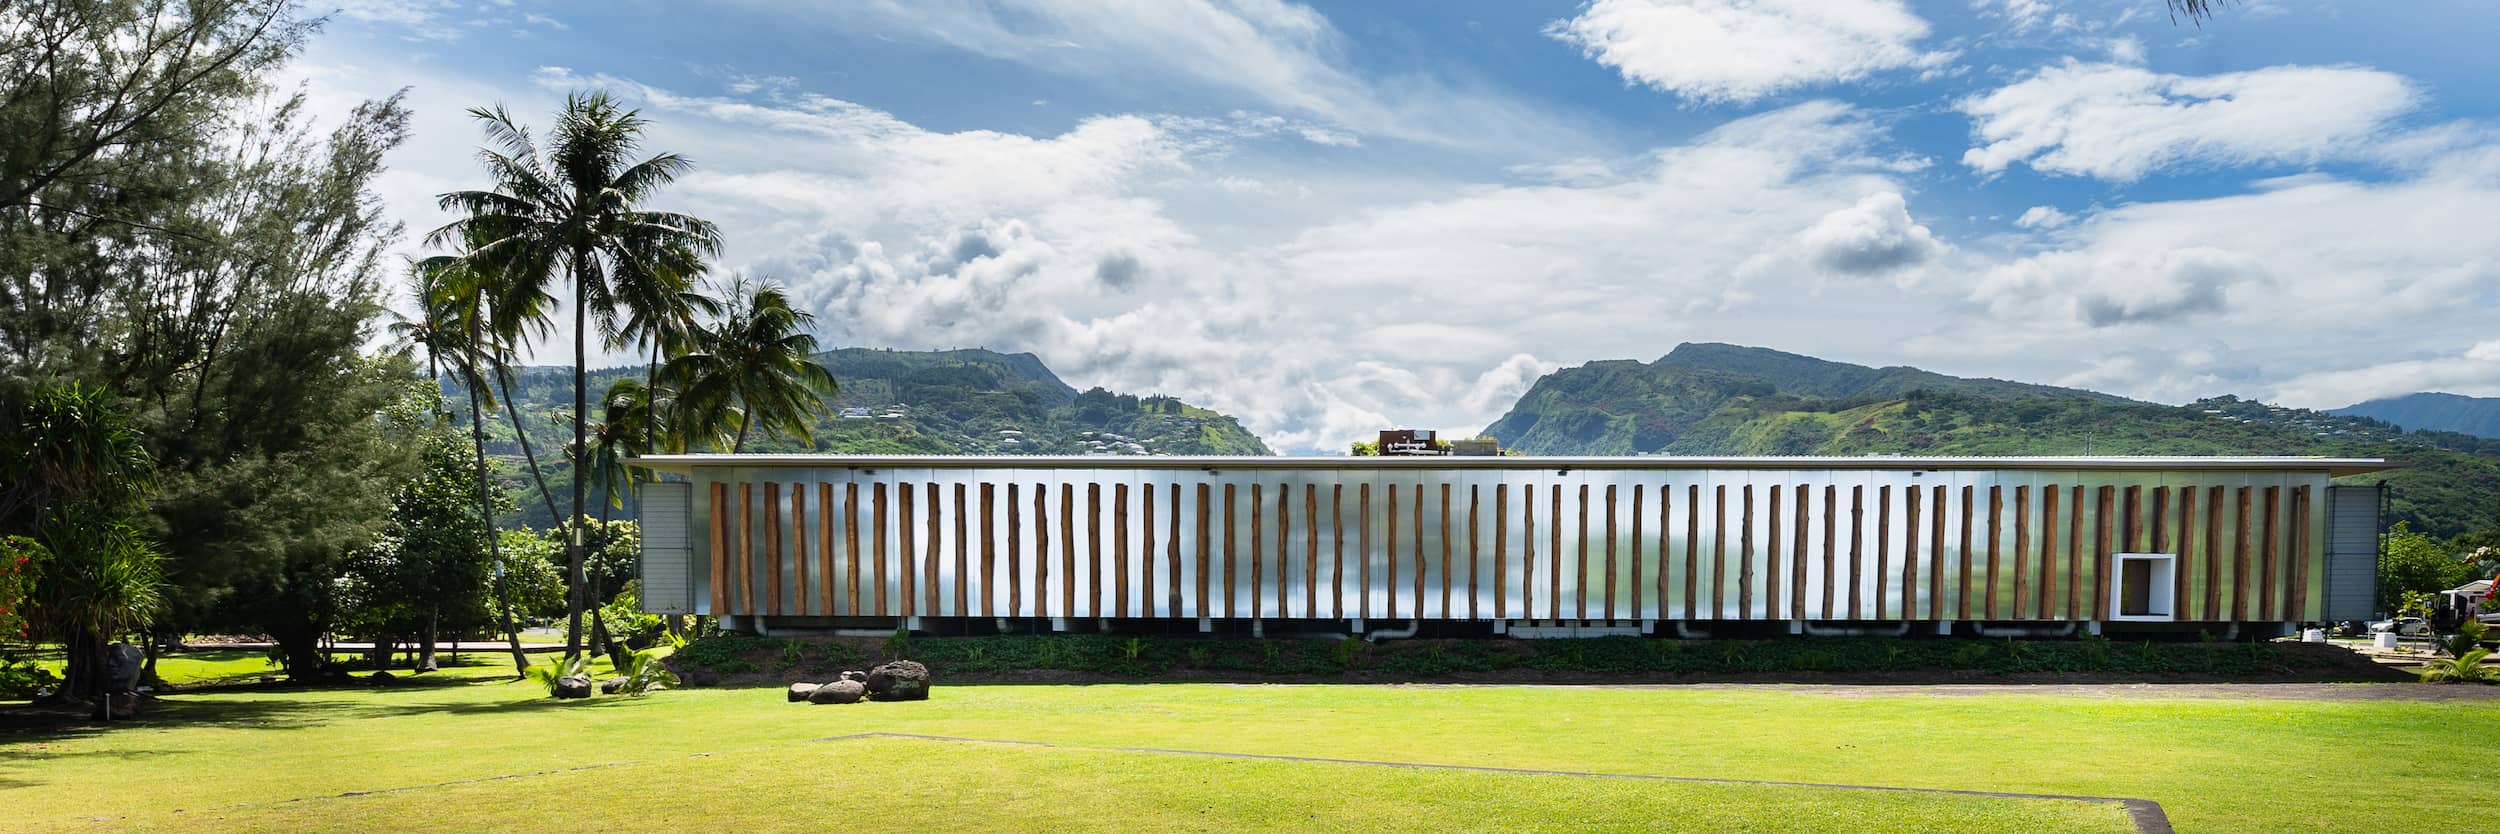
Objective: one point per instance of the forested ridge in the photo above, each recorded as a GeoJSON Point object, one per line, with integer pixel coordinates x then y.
{"type": "Point", "coordinates": [1725, 400]}
{"type": "Point", "coordinates": [948, 402]}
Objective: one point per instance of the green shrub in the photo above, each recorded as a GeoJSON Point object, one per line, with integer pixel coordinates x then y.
{"type": "Point", "coordinates": [546, 674]}
{"type": "Point", "coordinates": [2465, 668]}
{"type": "Point", "coordinates": [645, 674]}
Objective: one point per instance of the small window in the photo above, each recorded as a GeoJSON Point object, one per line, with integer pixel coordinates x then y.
{"type": "Point", "coordinates": [2144, 587]}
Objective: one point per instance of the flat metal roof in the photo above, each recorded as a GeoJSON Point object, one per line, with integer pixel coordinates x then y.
{"type": "Point", "coordinates": [2334, 467]}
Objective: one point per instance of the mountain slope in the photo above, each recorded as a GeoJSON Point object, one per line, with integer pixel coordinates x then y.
{"type": "Point", "coordinates": [1622, 407]}
{"type": "Point", "coordinates": [903, 402]}
{"type": "Point", "coordinates": [1807, 376]}
{"type": "Point", "coordinates": [1701, 407]}
{"type": "Point", "coordinates": [2477, 416]}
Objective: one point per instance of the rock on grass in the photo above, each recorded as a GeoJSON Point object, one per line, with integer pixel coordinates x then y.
{"type": "Point", "coordinates": [837, 692]}
{"type": "Point", "coordinates": [901, 680]}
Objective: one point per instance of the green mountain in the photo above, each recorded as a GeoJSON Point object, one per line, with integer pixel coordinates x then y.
{"type": "Point", "coordinates": [1723, 400]}
{"type": "Point", "coordinates": [901, 402]}
{"type": "Point", "coordinates": [1807, 376]}
{"type": "Point", "coordinates": [2431, 411]}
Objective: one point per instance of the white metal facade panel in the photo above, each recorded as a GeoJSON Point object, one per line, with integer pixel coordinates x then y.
{"type": "Point", "coordinates": [2352, 551]}
{"type": "Point", "coordinates": [667, 560]}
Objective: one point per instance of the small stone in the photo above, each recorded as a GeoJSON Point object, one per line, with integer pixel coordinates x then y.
{"type": "Point", "coordinates": [573, 686]}
{"type": "Point", "coordinates": [800, 691]}
{"type": "Point", "coordinates": [862, 677]}
{"type": "Point", "coordinates": [901, 680]}
{"type": "Point", "coordinates": [611, 686]}
{"type": "Point", "coordinates": [837, 692]}
{"type": "Point", "coordinates": [699, 677]}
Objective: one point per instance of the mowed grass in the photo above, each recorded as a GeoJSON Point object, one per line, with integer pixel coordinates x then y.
{"type": "Point", "coordinates": [213, 667]}
{"type": "Point", "coordinates": [974, 787]}
{"type": "Point", "coordinates": [741, 758]}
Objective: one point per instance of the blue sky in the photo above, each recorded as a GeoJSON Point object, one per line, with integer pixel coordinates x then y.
{"type": "Point", "coordinates": [1336, 217]}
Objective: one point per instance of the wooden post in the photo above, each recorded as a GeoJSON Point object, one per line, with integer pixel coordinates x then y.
{"type": "Point", "coordinates": [1119, 550]}
{"type": "Point", "coordinates": [772, 549]}
{"type": "Point", "coordinates": [1501, 551]}
{"type": "Point", "coordinates": [1041, 549]}
{"type": "Point", "coordinates": [1015, 549]}
{"type": "Point", "coordinates": [720, 548]}
{"type": "Point", "coordinates": [989, 548]}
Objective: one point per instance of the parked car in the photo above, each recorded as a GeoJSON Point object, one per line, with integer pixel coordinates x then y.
{"type": "Point", "coordinates": [2403, 626]}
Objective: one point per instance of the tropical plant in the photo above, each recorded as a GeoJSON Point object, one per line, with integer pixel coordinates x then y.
{"type": "Point", "coordinates": [574, 209]}
{"type": "Point", "coordinates": [73, 475]}
{"type": "Point", "coordinates": [2469, 635]}
{"type": "Point", "coordinates": [664, 310]}
{"type": "Point", "coordinates": [550, 674]}
{"type": "Point", "coordinates": [17, 584]}
{"type": "Point", "coordinates": [104, 580]}
{"type": "Point", "coordinates": [2465, 668]}
{"type": "Point", "coordinates": [453, 302]}
{"type": "Point", "coordinates": [645, 674]}
{"type": "Point", "coordinates": [624, 428]}
{"type": "Point", "coordinates": [759, 365]}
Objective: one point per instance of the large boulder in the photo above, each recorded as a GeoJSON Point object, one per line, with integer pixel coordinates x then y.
{"type": "Point", "coordinates": [800, 691]}
{"type": "Point", "coordinates": [573, 686]}
{"type": "Point", "coordinates": [901, 680]}
{"type": "Point", "coordinates": [122, 664]}
{"type": "Point", "coordinates": [837, 692]}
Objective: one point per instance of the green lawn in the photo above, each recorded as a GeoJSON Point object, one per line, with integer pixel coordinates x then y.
{"type": "Point", "coordinates": [741, 759]}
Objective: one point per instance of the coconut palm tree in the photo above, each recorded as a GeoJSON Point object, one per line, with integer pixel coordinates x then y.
{"type": "Point", "coordinates": [573, 211]}
{"type": "Point", "coordinates": [453, 302]}
{"type": "Point", "coordinates": [664, 310]}
{"type": "Point", "coordinates": [759, 364]}
{"type": "Point", "coordinates": [2194, 10]}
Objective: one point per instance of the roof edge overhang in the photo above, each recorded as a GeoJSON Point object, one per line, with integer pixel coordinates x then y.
{"type": "Point", "coordinates": [2332, 467]}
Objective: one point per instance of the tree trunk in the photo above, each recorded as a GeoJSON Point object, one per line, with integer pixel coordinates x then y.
{"type": "Point", "coordinates": [651, 400]}
{"type": "Point", "coordinates": [571, 524]}
{"type": "Point", "coordinates": [601, 638]}
{"type": "Point", "coordinates": [741, 444]}
{"type": "Point", "coordinates": [433, 629]}
{"type": "Point", "coordinates": [486, 508]}
{"type": "Point", "coordinates": [503, 380]}
{"type": "Point", "coordinates": [300, 649]}
{"type": "Point", "coordinates": [147, 673]}
{"type": "Point", "coordinates": [82, 667]}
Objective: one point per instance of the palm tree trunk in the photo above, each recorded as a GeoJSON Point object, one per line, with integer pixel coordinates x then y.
{"type": "Point", "coordinates": [603, 639]}
{"type": "Point", "coordinates": [651, 401]}
{"type": "Point", "coordinates": [741, 445]}
{"type": "Point", "coordinates": [571, 524]}
{"type": "Point", "coordinates": [486, 508]}
{"type": "Point", "coordinates": [503, 380]}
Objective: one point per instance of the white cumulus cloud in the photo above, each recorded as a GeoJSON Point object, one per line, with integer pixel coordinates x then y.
{"type": "Point", "coordinates": [1742, 50]}
{"type": "Point", "coordinates": [1876, 236]}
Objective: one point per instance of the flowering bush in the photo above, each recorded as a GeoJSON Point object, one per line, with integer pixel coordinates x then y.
{"type": "Point", "coordinates": [17, 581]}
